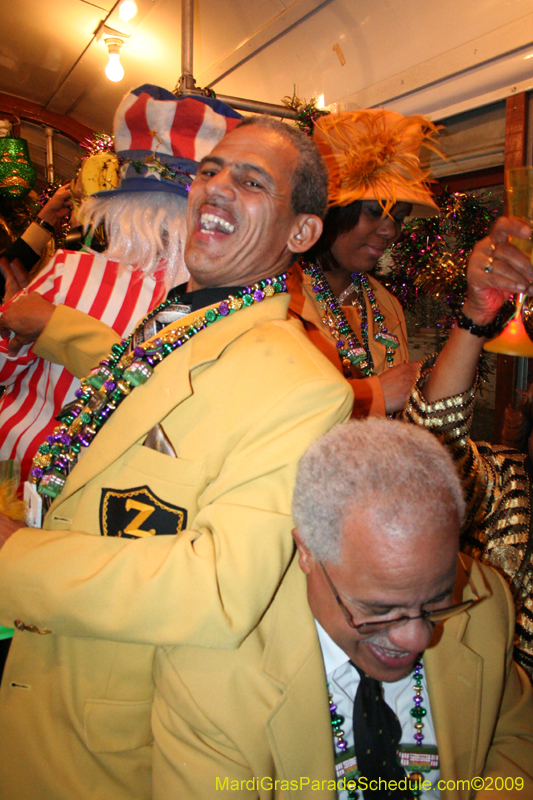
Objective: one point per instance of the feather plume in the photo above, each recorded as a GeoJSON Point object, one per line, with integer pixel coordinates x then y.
{"type": "Point", "coordinates": [377, 152]}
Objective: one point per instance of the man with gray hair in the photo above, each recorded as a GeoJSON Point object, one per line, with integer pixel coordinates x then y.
{"type": "Point", "coordinates": [395, 638]}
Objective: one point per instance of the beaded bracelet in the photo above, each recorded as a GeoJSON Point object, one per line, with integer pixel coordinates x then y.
{"type": "Point", "coordinates": [487, 331]}
{"type": "Point", "coordinates": [42, 223]}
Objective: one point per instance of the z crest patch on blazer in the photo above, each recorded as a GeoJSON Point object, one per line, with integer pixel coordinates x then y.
{"type": "Point", "coordinates": [137, 512]}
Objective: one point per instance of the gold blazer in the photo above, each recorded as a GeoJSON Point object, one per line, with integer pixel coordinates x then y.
{"type": "Point", "coordinates": [240, 403]}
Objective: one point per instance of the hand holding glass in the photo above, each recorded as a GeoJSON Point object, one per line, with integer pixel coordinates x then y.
{"type": "Point", "coordinates": [514, 340]}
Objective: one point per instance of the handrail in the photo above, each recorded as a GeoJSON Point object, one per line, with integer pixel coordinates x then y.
{"type": "Point", "coordinates": [32, 112]}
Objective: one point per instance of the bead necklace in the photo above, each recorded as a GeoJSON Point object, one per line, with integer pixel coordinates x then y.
{"type": "Point", "coordinates": [388, 340]}
{"type": "Point", "coordinates": [418, 712]}
{"type": "Point", "coordinates": [106, 386]}
{"type": "Point", "coordinates": [415, 760]}
{"type": "Point", "coordinates": [341, 744]}
{"type": "Point", "coordinates": [351, 352]}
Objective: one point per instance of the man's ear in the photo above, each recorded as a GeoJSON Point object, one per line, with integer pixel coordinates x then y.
{"type": "Point", "coordinates": [305, 559]}
{"type": "Point", "coordinates": [305, 232]}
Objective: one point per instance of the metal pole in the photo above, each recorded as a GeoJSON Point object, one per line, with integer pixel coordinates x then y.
{"type": "Point", "coordinates": [187, 84]}
{"type": "Point", "coordinates": [256, 107]}
{"type": "Point", "coordinates": [522, 365]}
{"type": "Point", "coordinates": [49, 154]}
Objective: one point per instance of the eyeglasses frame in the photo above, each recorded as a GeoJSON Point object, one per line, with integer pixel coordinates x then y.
{"type": "Point", "coordinates": [432, 617]}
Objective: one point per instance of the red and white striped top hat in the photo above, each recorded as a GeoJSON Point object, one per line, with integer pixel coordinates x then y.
{"type": "Point", "coordinates": [160, 138]}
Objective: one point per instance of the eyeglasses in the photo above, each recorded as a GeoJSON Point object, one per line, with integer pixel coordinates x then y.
{"type": "Point", "coordinates": [432, 617]}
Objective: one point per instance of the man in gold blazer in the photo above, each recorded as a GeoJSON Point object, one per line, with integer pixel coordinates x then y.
{"type": "Point", "coordinates": [174, 527]}
{"type": "Point", "coordinates": [377, 541]}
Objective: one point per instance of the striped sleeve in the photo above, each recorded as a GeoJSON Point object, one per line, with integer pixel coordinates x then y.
{"type": "Point", "coordinates": [37, 389]}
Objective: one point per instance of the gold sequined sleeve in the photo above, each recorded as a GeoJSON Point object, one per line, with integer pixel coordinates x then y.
{"type": "Point", "coordinates": [497, 489]}
{"type": "Point", "coordinates": [450, 419]}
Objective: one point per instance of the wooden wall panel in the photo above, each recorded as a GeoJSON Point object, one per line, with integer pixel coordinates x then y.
{"type": "Point", "coordinates": [515, 156]}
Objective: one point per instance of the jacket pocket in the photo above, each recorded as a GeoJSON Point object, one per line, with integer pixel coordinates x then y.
{"type": "Point", "coordinates": [150, 462]}
{"type": "Point", "coordinates": [115, 726]}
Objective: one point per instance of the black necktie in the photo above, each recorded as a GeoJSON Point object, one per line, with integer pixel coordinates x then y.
{"type": "Point", "coordinates": [377, 733]}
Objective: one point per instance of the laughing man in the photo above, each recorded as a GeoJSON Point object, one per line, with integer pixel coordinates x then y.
{"type": "Point", "coordinates": [174, 528]}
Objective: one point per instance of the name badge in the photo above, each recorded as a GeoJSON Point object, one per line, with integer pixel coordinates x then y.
{"type": "Point", "coordinates": [34, 506]}
{"type": "Point", "coordinates": [346, 765]}
{"type": "Point", "coordinates": [155, 324]}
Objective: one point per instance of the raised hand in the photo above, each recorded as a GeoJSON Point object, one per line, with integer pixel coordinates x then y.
{"type": "Point", "coordinates": [496, 270]}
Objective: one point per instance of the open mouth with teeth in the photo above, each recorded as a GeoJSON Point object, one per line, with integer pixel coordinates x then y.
{"type": "Point", "coordinates": [212, 223]}
{"type": "Point", "coordinates": [391, 657]}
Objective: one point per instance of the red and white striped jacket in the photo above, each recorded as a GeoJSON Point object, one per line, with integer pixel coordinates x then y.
{"type": "Point", "coordinates": [37, 389]}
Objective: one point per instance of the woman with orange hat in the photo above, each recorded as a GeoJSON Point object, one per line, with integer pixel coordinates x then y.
{"type": "Point", "coordinates": [375, 182]}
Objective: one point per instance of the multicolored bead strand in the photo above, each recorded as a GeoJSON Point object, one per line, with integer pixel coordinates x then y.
{"type": "Point", "coordinates": [102, 391]}
{"type": "Point", "coordinates": [351, 352]}
{"type": "Point", "coordinates": [418, 713]}
{"type": "Point", "coordinates": [338, 735]}
{"type": "Point", "coordinates": [388, 340]}
{"type": "Point", "coordinates": [419, 757]}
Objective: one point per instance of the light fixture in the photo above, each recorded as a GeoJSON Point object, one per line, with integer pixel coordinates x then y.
{"type": "Point", "coordinates": [127, 10]}
{"type": "Point", "coordinates": [114, 69]}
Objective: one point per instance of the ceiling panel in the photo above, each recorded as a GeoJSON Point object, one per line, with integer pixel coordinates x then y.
{"type": "Point", "coordinates": [221, 26]}
{"type": "Point", "coordinates": [360, 52]}
{"type": "Point", "coordinates": [40, 42]}
{"type": "Point", "coordinates": [377, 40]}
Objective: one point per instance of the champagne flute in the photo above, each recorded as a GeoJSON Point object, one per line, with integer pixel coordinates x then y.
{"type": "Point", "coordinates": [513, 340]}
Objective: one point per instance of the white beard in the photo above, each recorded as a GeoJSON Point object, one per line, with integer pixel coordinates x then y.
{"type": "Point", "coordinates": [143, 230]}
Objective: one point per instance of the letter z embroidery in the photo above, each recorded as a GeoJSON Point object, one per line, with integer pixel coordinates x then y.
{"type": "Point", "coordinates": [134, 527]}
{"type": "Point", "coordinates": [138, 512]}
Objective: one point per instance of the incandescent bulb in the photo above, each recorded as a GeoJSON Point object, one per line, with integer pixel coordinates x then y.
{"type": "Point", "coordinates": [127, 10]}
{"type": "Point", "coordinates": [114, 69]}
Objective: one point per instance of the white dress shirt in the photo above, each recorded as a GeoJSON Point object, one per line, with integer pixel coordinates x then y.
{"type": "Point", "coordinates": [343, 680]}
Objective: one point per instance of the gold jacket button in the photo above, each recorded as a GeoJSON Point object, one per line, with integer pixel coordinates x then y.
{"type": "Point", "coordinates": [21, 626]}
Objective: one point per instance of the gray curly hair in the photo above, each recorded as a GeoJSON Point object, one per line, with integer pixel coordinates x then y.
{"type": "Point", "coordinates": [398, 470]}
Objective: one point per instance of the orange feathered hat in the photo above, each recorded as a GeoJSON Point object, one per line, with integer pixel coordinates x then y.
{"type": "Point", "coordinates": [373, 154]}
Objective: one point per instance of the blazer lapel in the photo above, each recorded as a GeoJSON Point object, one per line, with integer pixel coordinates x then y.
{"type": "Point", "coordinates": [169, 386]}
{"type": "Point", "coordinates": [299, 728]}
{"type": "Point", "coordinates": [454, 675]}
{"type": "Point", "coordinates": [300, 734]}
{"type": "Point", "coordinates": [145, 407]}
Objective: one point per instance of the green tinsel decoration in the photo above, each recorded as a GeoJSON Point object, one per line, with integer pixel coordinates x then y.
{"type": "Point", "coordinates": [15, 217]}
{"type": "Point", "coordinates": [426, 269]}
{"type": "Point", "coordinates": [97, 143]}
{"type": "Point", "coordinates": [431, 255]}
{"type": "Point", "coordinates": [307, 112]}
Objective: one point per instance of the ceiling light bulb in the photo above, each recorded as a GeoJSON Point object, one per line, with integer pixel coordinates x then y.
{"type": "Point", "coordinates": [127, 10]}
{"type": "Point", "coordinates": [114, 69]}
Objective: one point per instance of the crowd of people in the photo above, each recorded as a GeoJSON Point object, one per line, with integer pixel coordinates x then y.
{"type": "Point", "coordinates": [237, 576]}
